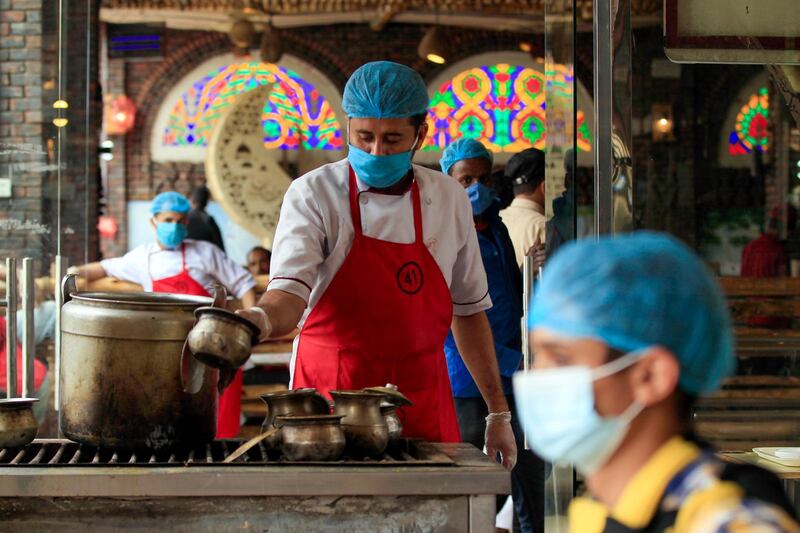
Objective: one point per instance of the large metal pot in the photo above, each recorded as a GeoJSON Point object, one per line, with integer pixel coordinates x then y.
{"type": "Point", "coordinates": [120, 371]}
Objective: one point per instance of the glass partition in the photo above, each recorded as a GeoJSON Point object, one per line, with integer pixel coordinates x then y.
{"type": "Point", "coordinates": [49, 125]}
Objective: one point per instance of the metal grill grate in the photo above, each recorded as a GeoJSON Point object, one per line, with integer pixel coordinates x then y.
{"type": "Point", "coordinates": [59, 452]}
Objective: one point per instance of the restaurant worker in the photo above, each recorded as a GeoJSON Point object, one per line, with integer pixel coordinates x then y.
{"type": "Point", "coordinates": [174, 264]}
{"type": "Point", "coordinates": [627, 332]}
{"type": "Point", "coordinates": [384, 255]}
{"type": "Point", "coordinates": [470, 164]}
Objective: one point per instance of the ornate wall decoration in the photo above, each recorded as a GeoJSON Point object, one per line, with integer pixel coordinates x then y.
{"type": "Point", "coordinates": [242, 173]}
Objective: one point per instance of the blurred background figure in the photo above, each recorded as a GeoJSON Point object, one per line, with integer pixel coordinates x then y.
{"type": "Point", "coordinates": [258, 260]}
{"type": "Point", "coordinates": [201, 225]}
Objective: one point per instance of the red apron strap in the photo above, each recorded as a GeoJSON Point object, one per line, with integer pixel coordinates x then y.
{"type": "Point", "coordinates": [415, 200]}
{"type": "Point", "coordinates": [355, 210]}
{"type": "Point", "coordinates": [183, 257]}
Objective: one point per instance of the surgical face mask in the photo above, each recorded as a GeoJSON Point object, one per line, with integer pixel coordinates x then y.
{"type": "Point", "coordinates": [170, 234]}
{"type": "Point", "coordinates": [480, 196]}
{"type": "Point", "coordinates": [380, 171]}
{"type": "Point", "coordinates": [556, 410]}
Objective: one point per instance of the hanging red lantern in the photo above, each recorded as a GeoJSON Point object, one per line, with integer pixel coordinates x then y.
{"type": "Point", "coordinates": [119, 114]}
{"type": "Point", "coordinates": [107, 226]}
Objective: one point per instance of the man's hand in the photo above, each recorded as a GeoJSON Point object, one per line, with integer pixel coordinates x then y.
{"type": "Point", "coordinates": [500, 439]}
{"type": "Point", "coordinates": [259, 318]}
{"type": "Point", "coordinates": [537, 251]}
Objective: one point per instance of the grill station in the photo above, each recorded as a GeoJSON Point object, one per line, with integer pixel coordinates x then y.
{"type": "Point", "coordinates": [415, 486]}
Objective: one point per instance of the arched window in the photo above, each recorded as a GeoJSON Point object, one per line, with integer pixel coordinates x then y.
{"type": "Point", "coordinates": [502, 105]}
{"type": "Point", "coordinates": [300, 113]}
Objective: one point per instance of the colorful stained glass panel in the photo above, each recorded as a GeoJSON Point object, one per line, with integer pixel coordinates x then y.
{"type": "Point", "coordinates": [751, 131]}
{"type": "Point", "coordinates": [501, 105]}
{"type": "Point", "coordinates": [295, 114]}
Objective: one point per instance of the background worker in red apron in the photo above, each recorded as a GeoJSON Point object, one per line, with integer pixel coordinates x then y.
{"type": "Point", "coordinates": [384, 256]}
{"type": "Point", "coordinates": [177, 265]}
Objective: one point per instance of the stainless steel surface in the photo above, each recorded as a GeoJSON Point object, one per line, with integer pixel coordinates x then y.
{"type": "Point", "coordinates": [292, 402]}
{"type": "Point", "coordinates": [61, 265]}
{"type": "Point", "coordinates": [28, 341]}
{"type": "Point", "coordinates": [311, 437]}
{"type": "Point", "coordinates": [221, 338]}
{"type": "Point", "coordinates": [11, 327]}
{"type": "Point", "coordinates": [481, 514]}
{"type": "Point", "coordinates": [443, 469]}
{"type": "Point", "coordinates": [603, 63]}
{"type": "Point", "coordinates": [364, 426]}
{"type": "Point", "coordinates": [192, 371]}
{"type": "Point", "coordinates": [18, 426]}
{"type": "Point", "coordinates": [120, 372]}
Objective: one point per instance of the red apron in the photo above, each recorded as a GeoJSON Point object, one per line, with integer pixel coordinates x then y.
{"type": "Point", "coordinates": [230, 402]}
{"type": "Point", "coordinates": [384, 319]}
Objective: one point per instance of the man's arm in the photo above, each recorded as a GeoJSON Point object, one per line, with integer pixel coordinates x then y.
{"type": "Point", "coordinates": [249, 298]}
{"type": "Point", "coordinates": [89, 271]}
{"type": "Point", "coordinates": [473, 337]}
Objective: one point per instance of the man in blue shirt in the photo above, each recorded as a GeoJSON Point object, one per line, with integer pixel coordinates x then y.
{"type": "Point", "coordinates": [469, 162]}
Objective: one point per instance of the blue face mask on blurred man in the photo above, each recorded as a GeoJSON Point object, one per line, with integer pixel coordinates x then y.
{"type": "Point", "coordinates": [480, 196]}
{"type": "Point", "coordinates": [171, 234]}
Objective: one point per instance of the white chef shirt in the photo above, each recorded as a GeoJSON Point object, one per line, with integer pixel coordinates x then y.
{"type": "Point", "coordinates": [526, 222]}
{"type": "Point", "coordinates": [315, 233]}
{"type": "Point", "coordinates": [206, 263]}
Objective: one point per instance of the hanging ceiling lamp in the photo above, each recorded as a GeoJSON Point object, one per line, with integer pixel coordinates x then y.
{"type": "Point", "coordinates": [242, 34]}
{"type": "Point", "coordinates": [271, 40]}
{"type": "Point", "coordinates": [432, 47]}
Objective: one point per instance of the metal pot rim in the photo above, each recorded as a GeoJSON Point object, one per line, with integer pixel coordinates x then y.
{"type": "Point", "coordinates": [17, 403]}
{"type": "Point", "coordinates": [228, 316]}
{"type": "Point", "coordinates": [148, 299]}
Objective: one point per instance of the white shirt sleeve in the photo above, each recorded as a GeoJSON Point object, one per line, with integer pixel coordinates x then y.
{"type": "Point", "coordinates": [299, 244]}
{"type": "Point", "coordinates": [469, 288]}
{"type": "Point", "coordinates": [130, 267]}
{"type": "Point", "coordinates": [235, 278]}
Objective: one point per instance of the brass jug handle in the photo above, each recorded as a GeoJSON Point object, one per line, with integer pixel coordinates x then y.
{"type": "Point", "coordinates": [220, 296]}
{"type": "Point", "coordinates": [69, 286]}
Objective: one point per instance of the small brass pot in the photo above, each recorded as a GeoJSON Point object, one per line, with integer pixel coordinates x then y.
{"type": "Point", "coordinates": [220, 338]}
{"type": "Point", "coordinates": [18, 426]}
{"type": "Point", "coordinates": [311, 437]}
{"type": "Point", "coordinates": [291, 402]}
{"type": "Point", "coordinates": [364, 427]}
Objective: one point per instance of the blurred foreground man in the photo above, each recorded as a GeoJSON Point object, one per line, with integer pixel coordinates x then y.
{"type": "Point", "coordinates": [627, 332]}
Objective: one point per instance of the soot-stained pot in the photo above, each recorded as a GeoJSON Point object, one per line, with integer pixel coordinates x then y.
{"type": "Point", "coordinates": [18, 426]}
{"type": "Point", "coordinates": [220, 338]}
{"type": "Point", "coordinates": [311, 437]}
{"type": "Point", "coordinates": [120, 371]}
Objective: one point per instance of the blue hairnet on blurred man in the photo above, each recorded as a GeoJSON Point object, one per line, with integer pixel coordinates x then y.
{"type": "Point", "coordinates": [384, 256]}
{"type": "Point", "coordinates": [627, 332]}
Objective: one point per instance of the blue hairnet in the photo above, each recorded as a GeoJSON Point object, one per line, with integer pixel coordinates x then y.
{"type": "Point", "coordinates": [463, 149]}
{"type": "Point", "coordinates": [638, 290]}
{"type": "Point", "coordinates": [169, 201]}
{"type": "Point", "coordinates": [383, 89]}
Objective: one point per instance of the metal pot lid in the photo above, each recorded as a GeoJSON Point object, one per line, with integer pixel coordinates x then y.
{"type": "Point", "coordinates": [288, 393]}
{"type": "Point", "coordinates": [393, 396]}
{"type": "Point", "coordinates": [356, 394]}
{"type": "Point", "coordinates": [228, 316]}
{"type": "Point", "coordinates": [17, 403]}
{"type": "Point", "coordinates": [156, 299]}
